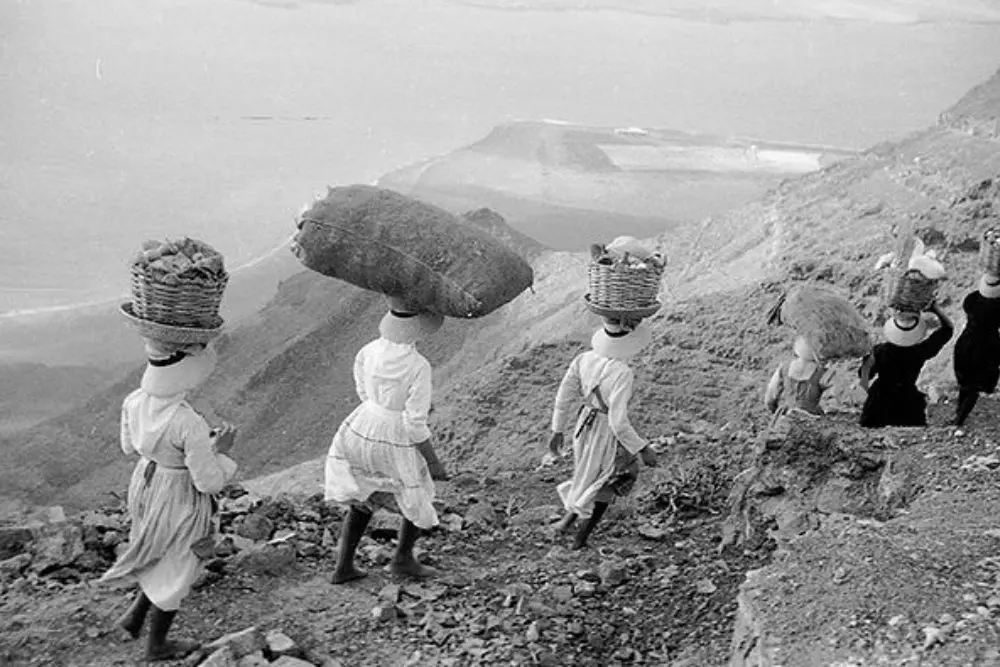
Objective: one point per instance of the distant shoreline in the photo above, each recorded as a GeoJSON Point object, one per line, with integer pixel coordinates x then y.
{"type": "Point", "coordinates": [100, 304]}
{"type": "Point", "coordinates": [721, 12]}
{"type": "Point", "coordinates": [26, 315]}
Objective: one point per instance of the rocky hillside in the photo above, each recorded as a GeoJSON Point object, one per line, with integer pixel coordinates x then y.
{"type": "Point", "coordinates": [977, 113]}
{"type": "Point", "coordinates": [842, 546]}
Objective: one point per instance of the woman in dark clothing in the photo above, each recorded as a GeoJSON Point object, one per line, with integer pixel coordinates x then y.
{"type": "Point", "coordinates": [893, 398]}
{"type": "Point", "coordinates": [977, 350]}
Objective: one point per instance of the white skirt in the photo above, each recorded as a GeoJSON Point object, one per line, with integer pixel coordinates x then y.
{"type": "Point", "coordinates": [593, 465]}
{"type": "Point", "coordinates": [371, 454]}
{"type": "Point", "coordinates": [168, 516]}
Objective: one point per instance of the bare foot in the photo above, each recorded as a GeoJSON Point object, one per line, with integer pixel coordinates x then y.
{"type": "Point", "coordinates": [347, 574]}
{"type": "Point", "coordinates": [172, 650]}
{"type": "Point", "coordinates": [411, 568]}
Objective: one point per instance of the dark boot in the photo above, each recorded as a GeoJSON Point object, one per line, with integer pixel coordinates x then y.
{"type": "Point", "coordinates": [158, 647]}
{"type": "Point", "coordinates": [967, 399]}
{"type": "Point", "coordinates": [587, 528]}
{"type": "Point", "coordinates": [404, 562]}
{"type": "Point", "coordinates": [350, 536]}
{"type": "Point", "coordinates": [133, 619]}
{"type": "Point", "coordinates": [564, 524]}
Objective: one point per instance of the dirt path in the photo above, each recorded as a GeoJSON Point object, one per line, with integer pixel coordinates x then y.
{"type": "Point", "coordinates": [651, 590]}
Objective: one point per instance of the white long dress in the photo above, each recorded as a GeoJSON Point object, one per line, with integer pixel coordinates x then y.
{"type": "Point", "coordinates": [170, 495]}
{"type": "Point", "coordinates": [374, 450]}
{"type": "Point", "coordinates": [595, 444]}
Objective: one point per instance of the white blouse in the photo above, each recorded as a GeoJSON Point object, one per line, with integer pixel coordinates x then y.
{"type": "Point", "coordinates": [396, 377]}
{"type": "Point", "coordinates": [615, 379]}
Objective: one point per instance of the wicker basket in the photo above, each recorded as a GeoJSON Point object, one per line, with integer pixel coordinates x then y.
{"type": "Point", "coordinates": [620, 287]}
{"type": "Point", "coordinates": [912, 292]}
{"type": "Point", "coordinates": [989, 251]}
{"type": "Point", "coordinates": [189, 303]}
{"type": "Point", "coordinates": [165, 333]}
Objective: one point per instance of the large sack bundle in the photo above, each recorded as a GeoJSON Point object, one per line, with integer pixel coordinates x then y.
{"type": "Point", "coordinates": [384, 241]}
{"type": "Point", "coordinates": [829, 323]}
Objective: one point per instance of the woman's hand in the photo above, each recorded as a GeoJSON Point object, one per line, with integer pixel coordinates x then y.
{"type": "Point", "coordinates": [225, 438]}
{"type": "Point", "coordinates": [556, 444]}
{"type": "Point", "coordinates": [434, 466]}
{"type": "Point", "coordinates": [945, 320]}
{"type": "Point", "coordinates": [437, 471]}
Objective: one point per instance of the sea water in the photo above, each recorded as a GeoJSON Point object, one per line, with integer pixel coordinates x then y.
{"type": "Point", "coordinates": [122, 121]}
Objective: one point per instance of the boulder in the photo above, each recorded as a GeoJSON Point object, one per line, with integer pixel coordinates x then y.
{"type": "Point", "coordinates": [241, 644]}
{"type": "Point", "coordinates": [612, 573]}
{"type": "Point", "coordinates": [221, 657]}
{"type": "Point", "coordinates": [290, 661]}
{"type": "Point", "coordinates": [266, 559]}
{"type": "Point", "coordinates": [481, 514]}
{"type": "Point", "coordinates": [256, 527]}
{"type": "Point", "coordinates": [278, 643]}
{"type": "Point", "coordinates": [56, 545]}
{"type": "Point", "coordinates": [100, 520]}
{"type": "Point", "coordinates": [13, 567]}
{"type": "Point", "coordinates": [253, 660]}
{"type": "Point", "coordinates": [14, 540]}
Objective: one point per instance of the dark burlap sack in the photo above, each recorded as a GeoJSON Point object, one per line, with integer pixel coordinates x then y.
{"type": "Point", "coordinates": [831, 325]}
{"type": "Point", "coordinates": [384, 241]}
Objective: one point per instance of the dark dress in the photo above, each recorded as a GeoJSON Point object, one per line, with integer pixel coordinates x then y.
{"type": "Point", "coordinates": [893, 398]}
{"type": "Point", "coordinates": [977, 350]}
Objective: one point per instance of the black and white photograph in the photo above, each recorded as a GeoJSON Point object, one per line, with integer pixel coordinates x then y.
{"type": "Point", "coordinates": [467, 333]}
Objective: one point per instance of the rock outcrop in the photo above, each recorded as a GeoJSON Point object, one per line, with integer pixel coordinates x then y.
{"type": "Point", "coordinates": [885, 547]}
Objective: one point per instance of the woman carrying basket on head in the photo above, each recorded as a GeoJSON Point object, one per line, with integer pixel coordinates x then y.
{"type": "Point", "coordinates": [605, 445]}
{"type": "Point", "coordinates": [183, 462]}
{"type": "Point", "coordinates": [829, 327]}
{"type": "Point", "coordinates": [381, 455]}
{"type": "Point", "coordinates": [893, 398]}
{"type": "Point", "coordinates": [977, 350]}
{"type": "Point", "coordinates": [800, 381]}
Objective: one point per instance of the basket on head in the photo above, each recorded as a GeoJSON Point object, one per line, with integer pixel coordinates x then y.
{"type": "Point", "coordinates": [624, 285]}
{"type": "Point", "coordinates": [989, 251]}
{"type": "Point", "coordinates": [179, 284]}
{"type": "Point", "coordinates": [165, 333]}
{"type": "Point", "coordinates": [632, 314]}
{"type": "Point", "coordinates": [912, 292]}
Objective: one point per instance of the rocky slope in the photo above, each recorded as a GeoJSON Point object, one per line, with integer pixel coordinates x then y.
{"type": "Point", "coordinates": [856, 516]}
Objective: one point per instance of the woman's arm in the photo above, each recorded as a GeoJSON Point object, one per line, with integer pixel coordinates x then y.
{"type": "Point", "coordinates": [618, 419]}
{"type": "Point", "coordinates": [125, 433]}
{"type": "Point", "coordinates": [359, 375]}
{"type": "Point", "coordinates": [416, 410]}
{"type": "Point", "coordinates": [826, 380]}
{"type": "Point", "coordinates": [210, 470]}
{"type": "Point", "coordinates": [567, 397]}
{"type": "Point", "coordinates": [775, 387]}
{"type": "Point", "coordinates": [937, 340]}
{"type": "Point", "coordinates": [867, 371]}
